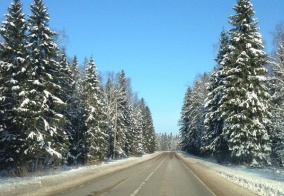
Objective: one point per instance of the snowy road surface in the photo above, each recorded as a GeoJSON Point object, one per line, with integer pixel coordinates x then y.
{"type": "Point", "coordinates": [166, 174]}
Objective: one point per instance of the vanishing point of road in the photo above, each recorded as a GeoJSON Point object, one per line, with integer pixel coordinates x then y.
{"type": "Point", "coordinates": [165, 175]}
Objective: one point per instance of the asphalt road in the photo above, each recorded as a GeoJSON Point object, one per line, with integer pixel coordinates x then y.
{"type": "Point", "coordinates": [165, 174]}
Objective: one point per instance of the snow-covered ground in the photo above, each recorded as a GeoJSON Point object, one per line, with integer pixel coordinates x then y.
{"type": "Point", "coordinates": [266, 181]}
{"type": "Point", "coordinates": [44, 183]}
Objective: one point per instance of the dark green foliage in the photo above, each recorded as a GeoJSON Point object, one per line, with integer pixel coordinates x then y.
{"type": "Point", "coordinates": [76, 126]}
{"type": "Point", "coordinates": [12, 80]}
{"type": "Point", "coordinates": [215, 143]}
{"type": "Point", "coordinates": [244, 103]}
{"type": "Point", "coordinates": [192, 117]}
{"type": "Point", "coordinates": [275, 84]}
{"type": "Point", "coordinates": [95, 115]}
{"type": "Point", "coordinates": [50, 112]}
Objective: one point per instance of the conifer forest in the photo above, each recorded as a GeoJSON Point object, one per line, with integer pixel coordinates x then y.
{"type": "Point", "coordinates": [235, 112]}
{"type": "Point", "coordinates": [54, 111]}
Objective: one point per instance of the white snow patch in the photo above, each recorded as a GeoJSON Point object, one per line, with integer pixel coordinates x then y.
{"type": "Point", "coordinates": [52, 151]}
{"type": "Point", "coordinates": [43, 183]}
{"type": "Point", "coordinates": [25, 102]}
{"type": "Point", "coordinates": [37, 82]}
{"type": "Point", "coordinates": [266, 181]}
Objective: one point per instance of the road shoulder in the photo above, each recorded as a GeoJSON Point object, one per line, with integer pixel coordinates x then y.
{"type": "Point", "coordinates": [217, 184]}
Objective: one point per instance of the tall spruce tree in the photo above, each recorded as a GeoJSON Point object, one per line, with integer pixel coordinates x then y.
{"type": "Point", "coordinates": [42, 122]}
{"type": "Point", "coordinates": [96, 137]}
{"type": "Point", "coordinates": [148, 131]}
{"type": "Point", "coordinates": [111, 109]}
{"type": "Point", "coordinates": [12, 80]}
{"type": "Point", "coordinates": [196, 128]}
{"type": "Point", "coordinates": [192, 116]}
{"type": "Point", "coordinates": [134, 134]}
{"type": "Point", "coordinates": [215, 142]}
{"type": "Point", "coordinates": [75, 114]}
{"type": "Point", "coordinates": [244, 103]}
{"type": "Point", "coordinates": [185, 120]}
{"type": "Point", "coordinates": [122, 115]}
{"type": "Point", "coordinates": [276, 87]}
{"type": "Point", "coordinates": [68, 95]}
{"type": "Point", "coordinates": [136, 146]}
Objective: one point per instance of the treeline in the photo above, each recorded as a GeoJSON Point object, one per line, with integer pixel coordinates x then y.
{"type": "Point", "coordinates": [51, 113]}
{"type": "Point", "coordinates": [235, 113]}
{"type": "Point", "coordinates": [167, 142]}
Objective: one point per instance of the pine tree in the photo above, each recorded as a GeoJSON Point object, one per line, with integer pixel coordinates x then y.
{"type": "Point", "coordinates": [12, 79]}
{"type": "Point", "coordinates": [42, 122]}
{"type": "Point", "coordinates": [96, 137]}
{"type": "Point", "coordinates": [244, 102]}
{"type": "Point", "coordinates": [215, 142]}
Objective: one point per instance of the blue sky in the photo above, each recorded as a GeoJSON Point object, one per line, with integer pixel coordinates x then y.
{"type": "Point", "coordinates": [161, 44]}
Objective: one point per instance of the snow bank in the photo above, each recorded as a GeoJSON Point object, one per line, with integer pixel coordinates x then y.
{"type": "Point", "coordinates": [267, 181]}
{"type": "Point", "coordinates": [46, 183]}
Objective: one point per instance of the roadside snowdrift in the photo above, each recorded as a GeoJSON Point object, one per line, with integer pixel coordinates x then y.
{"type": "Point", "coordinates": [267, 181]}
{"type": "Point", "coordinates": [58, 180]}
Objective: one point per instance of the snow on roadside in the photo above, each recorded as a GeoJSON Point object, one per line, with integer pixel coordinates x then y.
{"type": "Point", "coordinates": [266, 181]}
{"type": "Point", "coordinates": [42, 185]}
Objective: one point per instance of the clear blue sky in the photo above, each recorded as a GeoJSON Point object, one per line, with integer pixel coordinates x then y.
{"type": "Point", "coordinates": [161, 44]}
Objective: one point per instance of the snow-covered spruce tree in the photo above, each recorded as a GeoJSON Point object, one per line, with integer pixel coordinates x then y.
{"type": "Point", "coordinates": [132, 133]}
{"type": "Point", "coordinates": [111, 109]}
{"type": "Point", "coordinates": [126, 119]}
{"type": "Point", "coordinates": [95, 115]}
{"type": "Point", "coordinates": [137, 131]}
{"type": "Point", "coordinates": [142, 106]}
{"type": "Point", "coordinates": [119, 114]}
{"type": "Point", "coordinates": [244, 104]}
{"type": "Point", "coordinates": [196, 129]}
{"type": "Point", "coordinates": [148, 129]}
{"type": "Point", "coordinates": [12, 79]}
{"type": "Point", "coordinates": [13, 30]}
{"type": "Point", "coordinates": [276, 86]}
{"type": "Point", "coordinates": [151, 131]}
{"type": "Point", "coordinates": [184, 120]}
{"type": "Point", "coordinates": [164, 142]}
{"type": "Point", "coordinates": [42, 123]}
{"type": "Point", "coordinates": [122, 115]}
{"type": "Point", "coordinates": [215, 142]}
{"type": "Point", "coordinates": [75, 115]}
{"type": "Point", "coordinates": [69, 80]}
{"type": "Point", "coordinates": [192, 116]}
{"type": "Point", "coordinates": [64, 79]}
